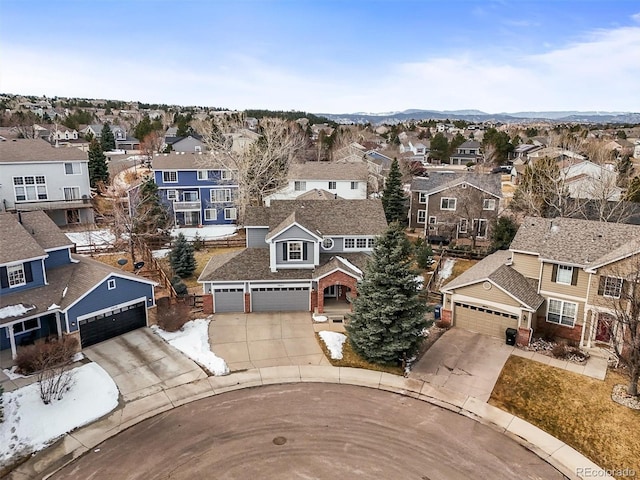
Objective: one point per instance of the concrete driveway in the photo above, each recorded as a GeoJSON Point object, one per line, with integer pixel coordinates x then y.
{"type": "Point", "coordinates": [256, 340]}
{"type": "Point", "coordinates": [463, 361]}
{"type": "Point", "coordinates": [141, 363]}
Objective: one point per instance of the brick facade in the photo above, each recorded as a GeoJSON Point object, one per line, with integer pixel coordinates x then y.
{"type": "Point", "coordinates": [445, 317]}
{"type": "Point", "coordinates": [314, 300]}
{"type": "Point", "coordinates": [207, 304]}
{"type": "Point", "coordinates": [558, 331]}
{"type": "Point", "coordinates": [247, 303]}
{"type": "Point", "coordinates": [338, 278]}
{"type": "Point", "coordinates": [522, 339]}
{"type": "Point", "coordinates": [152, 316]}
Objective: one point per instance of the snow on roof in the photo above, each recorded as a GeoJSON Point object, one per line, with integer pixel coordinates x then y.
{"type": "Point", "coordinates": [14, 310]}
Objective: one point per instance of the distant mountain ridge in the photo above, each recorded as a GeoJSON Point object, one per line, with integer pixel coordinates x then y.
{"type": "Point", "coordinates": [479, 116]}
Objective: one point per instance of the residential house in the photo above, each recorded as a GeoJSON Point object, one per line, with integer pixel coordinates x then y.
{"type": "Point", "coordinates": [450, 205]}
{"type": "Point", "coordinates": [343, 180]}
{"type": "Point", "coordinates": [38, 176]}
{"type": "Point", "coordinates": [589, 181]}
{"type": "Point", "coordinates": [123, 140]}
{"type": "Point", "coordinates": [48, 291]}
{"type": "Point", "coordinates": [468, 152]}
{"type": "Point", "coordinates": [190, 143]}
{"type": "Point", "coordinates": [300, 255]}
{"type": "Point", "coordinates": [61, 134]}
{"type": "Point", "coordinates": [195, 192]}
{"type": "Point", "coordinates": [379, 166]}
{"type": "Point", "coordinates": [419, 149]}
{"type": "Point", "coordinates": [557, 279]}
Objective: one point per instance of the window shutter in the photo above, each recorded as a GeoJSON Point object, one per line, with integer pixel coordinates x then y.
{"type": "Point", "coordinates": [554, 273]}
{"type": "Point", "coordinates": [28, 273]}
{"type": "Point", "coordinates": [284, 251]}
{"type": "Point", "coordinates": [4, 279]}
{"type": "Point", "coordinates": [601, 285]}
{"type": "Point", "coordinates": [304, 251]}
{"type": "Point", "coordinates": [574, 276]}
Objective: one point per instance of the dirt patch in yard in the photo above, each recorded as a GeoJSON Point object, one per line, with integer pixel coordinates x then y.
{"type": "Point", "coordinates": [573, 408]}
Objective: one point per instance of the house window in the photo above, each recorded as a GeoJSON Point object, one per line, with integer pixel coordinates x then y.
{"type": "Point", "coordinates": [433, 220]}
{"type": "Point", "coordinates": [170, 177]}
{"type": "Point", "coordinates": [480, 225]}
{"type": "Point", "coordinates": [447, 203]}
{"type": "Point", "coordinates": [361, 243]}
{"type": "Point", "coordinates": [612, 287]}
{"type": "Point", "coordinates": [221, 195]}
{"type": "Point", "coordinates": [25, 326]}
{"type": "Point", "coordinates": [294, 250]}
{"type": "Point", "coordinates": [332, 185]}
{"type": "Point", "coordinates": [422, 197]}
{"type": "Point", "coordinates": [72, 168]}
{"type": "Point", "coordinates": [422, 214]}
{"type": "Point", "coordinates": [230, 214]}
{"type": "Point", "coordinates": [71, 193]}
{"type": "Point", "coordinates": [562, 313]}
{"type": "Point", "coordinates": [327, 243]}
{"type": "Point", "coordinates": [197, 148]}
{"type": "Point", "coordinates": [190, 196]}
{"type": "Point", "coordinates": [299, 186]}
{"type": "Point", "coordinates": [371, 242]}
{"type": "Point", "coordinates": [16, 276]}
{"type": "Point", "coordinates": [349, 243]}
{"type": "Point", "coordinates": [489, 204]}
{"type": "Point", "coordinates": [30, 188]}
{"type": "Point", "coordinates": [564, 274]}
{"type": "Point", "coordinates": [464, 185]}
{"type": "Point", "coordinates": [210, 214]}
{"type": "Point", "coordinates": [462, 227]}
{"type": "Point", "coordinates": [172, 194]}
{"type": "Point", "coordinates": [226, 174]}
{"type": "Point", "coordinates": [111, 284]}
{"type": "Point", "coordinates": [354, 185]}
{"type": "Point", "coordinates": [205, 174]}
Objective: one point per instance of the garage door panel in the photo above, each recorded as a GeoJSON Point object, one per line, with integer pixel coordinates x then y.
{"type": "Point", "coordinates": [483, 320]}
{"type": "Point", "coordinates": [117, 322]}
{"type": "Point", "coordinates": [280, 299]}
{"type": "Point", "coordinates": [228, 300]}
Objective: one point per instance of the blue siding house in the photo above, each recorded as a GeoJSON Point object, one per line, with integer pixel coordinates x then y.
{"type": "Point", "coordinates": [45, 290]}
{"type": "Point", "coordinates": [195, 193]}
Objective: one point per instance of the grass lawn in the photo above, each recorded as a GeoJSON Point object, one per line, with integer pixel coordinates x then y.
{"type": "Point", "coordinates": [573, 408]}
{"type": "Point", "coordinates": [461, 265]}
{"type": "Point", "coordinates": [352, 359]}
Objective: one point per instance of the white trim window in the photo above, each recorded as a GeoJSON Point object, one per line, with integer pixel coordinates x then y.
{"type": "Point", "coordinates": [333, 185]}
{"type": "Point", "coordinates": [564, 275]}
{"type": "Point", "coordinates": [73, 168]}
{"type": "Point", "coordinates": [489, 204]}
{"type": "Point", "coordinates": [354, 185]}
{"type": "Point", "coordinates": [463, 225]}
{"type": "Point", "coordinates": [111, 284]}
{"type": "Point", "coordinates": [422, 197]}
{"type": "Point", "coordinates": [172, 194]}
{"type": "Point", "coordinates": [481, 226]}
{"type": "Point", "coordinates": [422, 216]}
{"type": "Point", "coordinates": [327, 243]}
{"type": "Point", "coordinates": [562, 312]}
{"type": "Point", "coordinates": [210, 214]}
{"type": "Point", "coordinates": [71, 193]}
{"type": "Point", "coordinates": [205, 174]}
{"type": "Point", "coordinates": [433, 220]}
{"type": "Point", "coordinates": [25, 326]}
{"type": "Point", "coordinates": [349, 243]}
{"type": "Point", "coordinates": [230, 214]}
{"type": "Point", "coordinates": [447, 203]}
{"type": "Point", "coordinates": [300, 186]}
{"type": "Point", "coordinates": [612, 287]}
{"type": "Point", "coordinates": [30, 188]}
{"type": "Point", "coordinates": [226, 175]}
{"type": "Point", "coordinates": [16, 275]}
{"type": "Point", "coordinates": [361, 243]}
{"type": "Point", "coordinates": [221, 195]}
{"type": "Point", "coordinates": [170, 176]}
{"type": "Point", "coordinates": [371, 242]}
{"type": "Point", "coordinates": [294, 250]}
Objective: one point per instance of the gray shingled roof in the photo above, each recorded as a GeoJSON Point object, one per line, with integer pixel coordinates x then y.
{"type": "Point", "coordinates": [493, 268]}
{"type": "Point", "coordinates": [44, 230]}
{"type": "Point", "coordinates": [437, 181]}
{"type": "Point", "coordinates": [329, 263]}
{"type": "Point", "coordinates": [16, 241]}
{"type": "Point", "coordinates": [329, 171]}
{"type": "Point", "coordinates": [183, 161]}
{"type": "Point", "coordinates": [317, 194]}
{"type": "Point", "coordinates": [37, 150]}
{"type": "Point", "coordinates": [578, 242]}
{"type": "Point", "coordinates": [323, 217]}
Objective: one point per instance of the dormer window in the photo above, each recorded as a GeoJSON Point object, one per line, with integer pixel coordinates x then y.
{"type": "Point", "coordinates": [294, 250]}
{"type": "Point", "coordinates": [299, 186]}
{"type": "Point", "coordinates": [16, 276]}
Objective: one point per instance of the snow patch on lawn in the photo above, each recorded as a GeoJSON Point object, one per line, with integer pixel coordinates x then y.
{"type": "Point", "coordinates": [30, 425]}
{"type": "Point", "coordinates": [334, 342]}
{"type": "Point", "coordinates": [209, 232]}
{"type": "Point", "coordinates": [12, 373]}
{"type": "Point", "coordinates": [447, 268]}
{"type": "Point", "coordinates": [93, 238]}
{"type": "Point", "coordinates": [193, 340]}
{"type": "Point", "coordinates": [161, 253]}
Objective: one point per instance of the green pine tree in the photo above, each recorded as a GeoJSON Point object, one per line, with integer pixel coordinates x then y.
{"type": "Point", "coordinates": [393, 198]}
{"type": "Point", "coordinates": [182, 258]}
{"type": "Point", "coordinates": [388, 316]}
{"type": "Point", "coordinates": [107, 140]}
{"type": "Point", "coordinates": [98, 170]}
{"type": "Point", "coordinates": [502, 233]}
{"type": "Point", "coordinates": [423, 253]}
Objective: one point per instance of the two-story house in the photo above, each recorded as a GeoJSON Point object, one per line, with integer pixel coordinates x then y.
{"type": "Point", "coordinates": [558, 278]}
{"type": "Point", "coordinates": [123, 140]}
{"type": "Point", "coordinates": [195, 192]}
{"type": "Point", "coordinates": [468, 152]}
{"type": "Point", "coordinates": [37, 176]}
{"type": "Point", "coordinates": [455, 205]}
{"type": "Point", "coordinates": [343, 180]}
{"type": "Point", "coordinates": [46, 290]}
{"type": "Point", "coordinates": [190, 143]}
{"type": "Point", "coordinates": [299, 256]}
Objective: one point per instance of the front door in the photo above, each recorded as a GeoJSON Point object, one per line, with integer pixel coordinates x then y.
{"type": "Point", "coordinates": [605, 325]}
{"type": "Point", "coordinates": [330, 292]}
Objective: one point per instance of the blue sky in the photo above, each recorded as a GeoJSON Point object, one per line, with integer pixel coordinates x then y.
{"type": "Point", "coordinates": [331, 56]}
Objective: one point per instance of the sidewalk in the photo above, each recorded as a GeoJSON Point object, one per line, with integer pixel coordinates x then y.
{"type": "Point", "coordinates": [71, 446]}
{"type": "Point", "coordinates": [594, 367]}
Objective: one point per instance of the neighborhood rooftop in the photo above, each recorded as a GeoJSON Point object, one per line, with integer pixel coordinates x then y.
{"type": "Point", "coordinates": [34, 150]}
{"type": "Point", "coordinates": [184, 161]}
{"type": "Point", "coordinates": [328, 171]}
{"type": "Point", "coordinates": [440, 180]}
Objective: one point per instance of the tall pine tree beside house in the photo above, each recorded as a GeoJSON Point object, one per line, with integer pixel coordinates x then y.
{"type": "Point", "coordinates": [182, 258]}
{"type": "Point", "coordinates": [388, 317]}
{"type": "Point", "coordinates": [107, 140]}
{"type": "Point", "coordinates": [393, 198]}
{"type": "Point", "coordinates": [98, 170]}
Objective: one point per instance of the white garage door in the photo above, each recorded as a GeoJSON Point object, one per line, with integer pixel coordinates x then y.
{"type": "Point", "coordinates": [483, 320]}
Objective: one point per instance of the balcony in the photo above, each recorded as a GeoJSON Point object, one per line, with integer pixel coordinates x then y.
{"type": "Point", "coordinates": [186, 206]}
